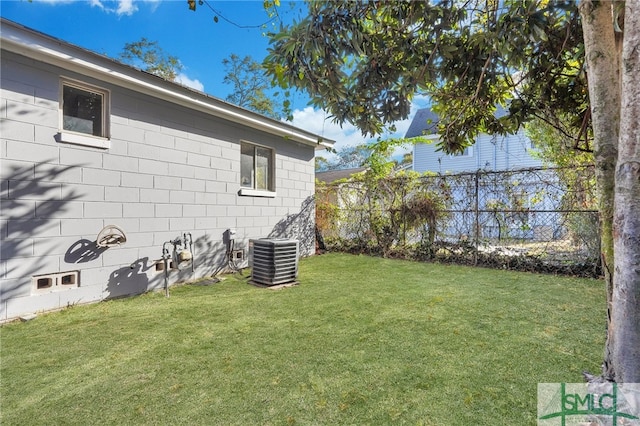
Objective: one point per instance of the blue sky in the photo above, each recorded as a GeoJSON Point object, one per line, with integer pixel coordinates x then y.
{"type": "Point", "coordinates": [194, 37]}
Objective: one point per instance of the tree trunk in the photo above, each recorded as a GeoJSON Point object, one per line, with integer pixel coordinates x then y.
{"type": "Point", "coordinates": [603, 75]}
{"type": "Point", "coordinates": [625, 319]}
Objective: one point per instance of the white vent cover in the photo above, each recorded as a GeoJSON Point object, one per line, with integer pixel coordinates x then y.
{"type": "Point", "coordinates": [273, 261]}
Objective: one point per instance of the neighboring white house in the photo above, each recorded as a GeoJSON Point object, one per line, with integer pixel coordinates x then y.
{"type": "Point", "coordinates": [538, 198]}
{"type": "Point", "coordinates": [88, 142]}
{"type": "Point", "coordinates": [490, 153]}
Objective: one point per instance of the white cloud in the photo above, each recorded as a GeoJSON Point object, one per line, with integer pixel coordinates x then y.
{"type": "Point", "coordinates": [96, 3]}
{"type": "Point", "coordinates": [126, 7]}
{"type": "Point", "coordinates": [119, 7]}
{"type": "Point", "coordinates": [54, 2]}
{"type": "Point", "coordinates": [186, 81]}
{"type": "Point", "coordinates": [122, 7]}
{"type": "Point", "coordinates": [318, 122]}
{"type": "Point", "coordinates": [154, 4]}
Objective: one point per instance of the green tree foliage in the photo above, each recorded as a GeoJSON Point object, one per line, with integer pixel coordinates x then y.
{"type": "Point", "coordinates": [322, 164]}
{"type": "Point", "coordinates": [407, 158]}
{"type": "Point", "coordinates": [149, 56]}
{"type": "Point", "coordinates": [382, 213]}
{"type": "Point", "coordinates": [365, 61]}
{"type": "Point", "coordinates": [557, 148]}
{"type": "Point", "coordinates": [251, 87]}
{"type": "Point", "coordinates": [352, 156]}
{"type": "Point", "coordinates": [347, 157]}
{"type": "Point", "coordinates": [574, 161]}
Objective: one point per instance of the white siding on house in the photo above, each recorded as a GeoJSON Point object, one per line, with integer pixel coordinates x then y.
{"type": "Point", "coordinates": [493, 153]}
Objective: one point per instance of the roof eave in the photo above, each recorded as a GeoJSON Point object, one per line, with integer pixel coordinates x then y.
{"type": "Point", "coordinates": [21, 40]}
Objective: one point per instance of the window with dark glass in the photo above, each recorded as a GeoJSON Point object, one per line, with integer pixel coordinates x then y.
{"type": "Point", "coordinates": [256, 167]}
{"type": "Point", "coordinates": [83, 110]}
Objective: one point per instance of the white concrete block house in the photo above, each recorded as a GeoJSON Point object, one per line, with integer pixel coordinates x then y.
{"type": "Point", "coordinates": [88, 142]}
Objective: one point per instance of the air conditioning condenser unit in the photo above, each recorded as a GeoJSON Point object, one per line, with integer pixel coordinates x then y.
{"type": "Point", "coordinates": [273, 261]}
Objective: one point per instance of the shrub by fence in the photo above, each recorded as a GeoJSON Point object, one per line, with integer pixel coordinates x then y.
{"type": "Point", "coordinates": [533, 219]}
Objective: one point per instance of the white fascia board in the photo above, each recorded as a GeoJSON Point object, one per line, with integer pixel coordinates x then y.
{"type": "Point", "coordinates": [41, 47]}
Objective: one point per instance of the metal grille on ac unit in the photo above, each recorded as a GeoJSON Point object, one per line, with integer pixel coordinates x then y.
{"type": "Point", "coordinates": [273, 261]}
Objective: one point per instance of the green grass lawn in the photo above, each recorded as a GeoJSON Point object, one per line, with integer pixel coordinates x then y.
{"type": "Point", "coordinates": [361, 340]}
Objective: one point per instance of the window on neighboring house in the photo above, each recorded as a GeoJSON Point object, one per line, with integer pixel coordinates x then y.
{"type": "Point", "coordinates": [467, 152]}
{"type": "Point", "coordinates": [256, 170]}
{"type": "Point", "coordinates": [85, 114]}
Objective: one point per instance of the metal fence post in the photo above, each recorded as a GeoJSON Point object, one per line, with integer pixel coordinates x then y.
{"type": "Point", "coordinates": [476, 236]}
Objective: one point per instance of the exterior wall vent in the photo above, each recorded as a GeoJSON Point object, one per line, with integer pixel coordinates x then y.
{"type": "Point", "coordinates": [68, 279]}
{"type": "Point", "coordinates": [273, 261]}
{"type": "Point", "coordinates": [55, 282]}
{"type": "Point", "coordinates": [42, 283]}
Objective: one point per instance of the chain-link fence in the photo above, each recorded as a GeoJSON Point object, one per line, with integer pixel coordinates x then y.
{"type": "Point", "coordinates": [533, 219]}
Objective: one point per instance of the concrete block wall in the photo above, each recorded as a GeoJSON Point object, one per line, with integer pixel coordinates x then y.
{"type": "Point", "coordinates": [168, 170]}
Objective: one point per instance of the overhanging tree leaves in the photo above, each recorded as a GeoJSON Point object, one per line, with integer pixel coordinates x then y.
{"type": "Point", "coordinates": [251, 86]}
{"type": "Point", "coordinates": [346, 157]}
{"type": "Point", "coordinates": [150, 57]}
{"type": "Point", "coordinates": [364, 61]}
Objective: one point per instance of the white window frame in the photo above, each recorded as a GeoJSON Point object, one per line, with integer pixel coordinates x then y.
{"type": "Point", "coordinates": [80, 138]}
{"type": "Point", "coordinates": [253, 191]}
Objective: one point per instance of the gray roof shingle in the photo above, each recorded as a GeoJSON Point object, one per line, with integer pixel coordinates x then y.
{"type": "Point", "coordinates": [425, 122]}
{"type": "Point", "coordinates": [334, 175]}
